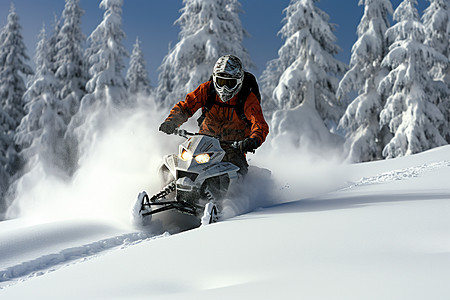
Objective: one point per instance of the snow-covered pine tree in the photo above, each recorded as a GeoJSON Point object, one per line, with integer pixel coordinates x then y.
{"type": "Point", "coordinates": [42, 128]}
{"type": "Point", "coordinates": [70, 69]}
{"type": "Point", "coordinates": [209, 29]}
{"type": "Point", "coordinates": [106, 88]}
{"type": "Point", "coordinates": [365, 139]}
{"type": "Point", "coordinates": [305, 91]}
{"type": "Point", "coordinates": [268, 82]}
{"type": "Point", "coordinates": [436, 20]}
{"type": "Point", "coordinates": [307, 59]}
{"type": "Point", "coordinates": [410, 110]}
{"type": "Point", "coordinates": [310, 71]}
{"type": "Point", "coordinates": [5, 176]}
{"type": "Point", "coordinates": [13, 68]}
{"type": "Point", "coordinates": [52, 41]}
{"type": "Point", "coordinates": [8, 150]}
{"type": "Point", "coordinates": [137, 74]}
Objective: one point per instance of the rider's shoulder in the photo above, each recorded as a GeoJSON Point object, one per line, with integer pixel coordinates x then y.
{"type": "Point", "coordinates": [204, 87]}
{"type": "Point", "coordinates": [201, 90]}
{"type": "Point", "coordinates": [252, 100]}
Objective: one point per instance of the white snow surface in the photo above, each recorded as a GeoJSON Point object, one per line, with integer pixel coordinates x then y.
{"type": "Point", "coordinates": [378, 230]}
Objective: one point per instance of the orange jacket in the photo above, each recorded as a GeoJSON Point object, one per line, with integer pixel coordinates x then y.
{"type": "Point", "coordinates": [222, 121]}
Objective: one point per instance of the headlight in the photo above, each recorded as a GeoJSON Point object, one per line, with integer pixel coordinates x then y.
{"type": "Point", "coordinates": [202, 158]}
{"type": "Point", "coordinates": [185, 155]}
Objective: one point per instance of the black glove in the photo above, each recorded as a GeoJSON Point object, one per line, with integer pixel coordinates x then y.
{"type": "Point", "coordinates": [247, 145]}
{"type": "Point", "coordinates": [167, 127]}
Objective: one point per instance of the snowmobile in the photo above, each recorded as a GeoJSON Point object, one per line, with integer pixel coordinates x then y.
{"type": "Point", "coordinates": [195, 181]}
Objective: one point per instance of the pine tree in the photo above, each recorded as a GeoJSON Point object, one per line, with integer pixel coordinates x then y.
{"type": "Point", "coordinates": [137, 75]}
{"type": "Point", "coordinates": [52, 42]}
{"type": "Point", "coordinates": [106, 59]}
{"type": "Point", "coordinates": [69, 61]}
{"type": "Point", "coordinates": [436, 20]}
{"type": "Point", "coordinates": [13, 67]}
{"type": "Point", "coordinates": [42, 129]}
{"type": "Point", "coordinates": [364, 137]}
{"type": "Point", "coordinates": [106, 88]}
{"type": "Point", "coordinates": [410, 111]}
{"type": "Point", "coordinates": [269, 80]}
{"type": "Point", "coordinates": [5, 148]}
{"type": "Point", "coordinates": [209, 29]}
{"type": "Point", "coordinates": [306, 62]}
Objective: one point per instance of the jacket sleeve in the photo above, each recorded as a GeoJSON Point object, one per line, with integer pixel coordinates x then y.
{"type": "Point", "coordinates": [185, 109]}
{"type": "Point", "coordinates": [253, 112]}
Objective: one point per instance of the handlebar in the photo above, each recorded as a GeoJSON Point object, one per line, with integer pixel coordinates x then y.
{"type": "Point", "coordinates": [186, 134]}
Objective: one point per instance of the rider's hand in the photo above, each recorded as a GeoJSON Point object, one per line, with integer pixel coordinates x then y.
{"type": "Point", "coordinates": [247, 145]}
{"type": "Point", "coordinates": [167, 127]}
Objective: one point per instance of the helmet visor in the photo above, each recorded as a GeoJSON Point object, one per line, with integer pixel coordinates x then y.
{"type": "Point", "coordinates": [230, 83]}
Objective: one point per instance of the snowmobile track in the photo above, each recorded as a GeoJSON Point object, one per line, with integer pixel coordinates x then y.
{"type": "Point", "coordinates": [51, 262]}
{"type": "Point", "coordinates": [401, 174]}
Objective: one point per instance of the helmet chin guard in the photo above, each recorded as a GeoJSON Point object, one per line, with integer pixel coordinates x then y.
{"type": "Point", "coordinates": [228, 75]}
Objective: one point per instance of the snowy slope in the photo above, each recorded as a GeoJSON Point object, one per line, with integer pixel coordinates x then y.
{"type": "Point", "coordinates": [382, 233]}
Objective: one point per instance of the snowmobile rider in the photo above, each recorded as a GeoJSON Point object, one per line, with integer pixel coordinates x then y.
{"type": "Point", "coordinates": [231, 111]}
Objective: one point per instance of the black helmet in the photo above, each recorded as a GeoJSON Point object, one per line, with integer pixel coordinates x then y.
{"type": "Point", "coordinates": [228, 76]}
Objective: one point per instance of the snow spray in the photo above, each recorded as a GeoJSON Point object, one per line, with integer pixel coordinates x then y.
{"type": "Point", "coordinates": [120, 161]}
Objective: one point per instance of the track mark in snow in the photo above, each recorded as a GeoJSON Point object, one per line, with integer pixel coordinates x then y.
{"type": "Point", "coordinates": [51, 262]}
{"type": "Point", "coordinates": [401, 174]}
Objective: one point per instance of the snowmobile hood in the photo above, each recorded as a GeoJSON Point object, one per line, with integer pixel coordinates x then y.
{"type": "Point", "coordinates": [201, 144]}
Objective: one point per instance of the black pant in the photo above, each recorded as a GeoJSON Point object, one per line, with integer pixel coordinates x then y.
{"type": "Point", "coordinates": [237, 158]}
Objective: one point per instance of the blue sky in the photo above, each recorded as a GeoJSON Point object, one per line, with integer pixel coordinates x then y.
{"type": "Point", "coordinates": [153, 22]}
